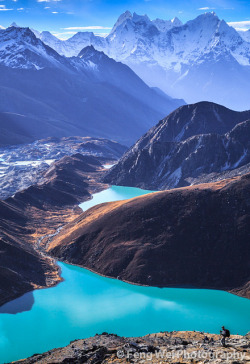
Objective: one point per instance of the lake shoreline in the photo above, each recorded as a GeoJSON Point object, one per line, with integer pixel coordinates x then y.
{"type": "Point", "coordinates": [45, 207]}
{"type": "Point", "coordinates": [87, 303]}
{"type": "Point", "coordinates": [59, 279]}
{"type": "Point", "coordinates": [145, 285]}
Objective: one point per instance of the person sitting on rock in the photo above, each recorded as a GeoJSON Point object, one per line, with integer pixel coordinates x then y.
{"type": "Point", "coordinates": [205, 340]}
{"type": "Point", "coordinates": [224, 333]}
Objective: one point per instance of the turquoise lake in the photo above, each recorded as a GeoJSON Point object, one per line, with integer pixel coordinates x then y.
{"type": "Point", "coordinates": [114, 193]}
{"type": "Point", "coordinates": [85, 304]}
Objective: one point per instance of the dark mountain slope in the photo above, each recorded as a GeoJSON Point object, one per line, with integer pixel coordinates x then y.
{"type": "Point", "coordinates": [199, 142]}
{"type": "Point", "coordinates": [22, 268]}
{"type": "Point", "coordinates": [191, 237]}
{"type": "Point", "coordinates": [200, 118]}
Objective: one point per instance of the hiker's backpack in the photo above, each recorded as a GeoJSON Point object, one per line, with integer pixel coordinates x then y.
{"type": "Point", "coordinates": [227, 333]}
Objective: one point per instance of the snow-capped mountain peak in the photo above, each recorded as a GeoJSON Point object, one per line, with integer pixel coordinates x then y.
{"type": "Point", "coordinates": [175, 58]}
{"type": "Point", "coordinates": [82, 35]}
{"type": "Point", "coordinates": [130, 26]}
{"type": "Point", "coordinates": [176, 22]}
{"type": "Point", "coordinates": [203, 35]}
{"type": "Point", "coordinates": [88, 52]}
{"type": "Point", "coordinates": [48, 38]}
{"type": "Point", "coordinates": [204, 21]}
{"type": "Point", "coordinates": [205, 52]}
{"type": "Point", "coordinates": [136, 19]}
{"type": "Point", "coordinates": [91, 56]}
{"type": "Point", "coordinates": [14, 24]}
{"type": "Point", "coordinates": [19, 48]}
{"type": "Point", "coordinates": [122, 18]}
{"type": "Point", "coordinates": [72, 46]}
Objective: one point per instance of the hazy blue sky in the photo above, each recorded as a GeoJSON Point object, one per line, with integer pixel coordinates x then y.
{"type": "Point", "coordinates": [56, 16]}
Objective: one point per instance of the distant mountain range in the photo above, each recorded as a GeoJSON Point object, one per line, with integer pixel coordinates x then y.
{"type": "Point", "coordinates": [45, 94]}
{"type": "Point", "coordinates": [204, 59]}
{"type": "Point", "coordinates": [197, 143]}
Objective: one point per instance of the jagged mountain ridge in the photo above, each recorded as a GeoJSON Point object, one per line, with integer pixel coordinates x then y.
{"type": "Point", "coordinates": [44, 94]}
{"type": "Point", "coordinates": [73, 45]}
{"type": "Point", "coordinates": [204, 59]}
{"type": "Point", "coordinates": [196, 143]}
{"type": "Point", "coordinates": [186, 59]}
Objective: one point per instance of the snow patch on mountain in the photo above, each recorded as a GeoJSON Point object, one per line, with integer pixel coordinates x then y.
{"type": "Point", "coordinates": [241, 159]}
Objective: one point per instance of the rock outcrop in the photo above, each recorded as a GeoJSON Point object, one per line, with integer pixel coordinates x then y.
{"type": "Point", "coordinates": [188, 237]}
{"type": "Point", "coordinates": [166, 347]}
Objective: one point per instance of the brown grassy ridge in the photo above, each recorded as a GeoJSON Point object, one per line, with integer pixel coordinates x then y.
{"type": "Point", "coordinates": [195, 236]}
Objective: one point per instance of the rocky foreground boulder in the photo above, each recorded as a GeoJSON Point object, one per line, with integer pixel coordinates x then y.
{"type": "Point", "coordinates": [166, 347]}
